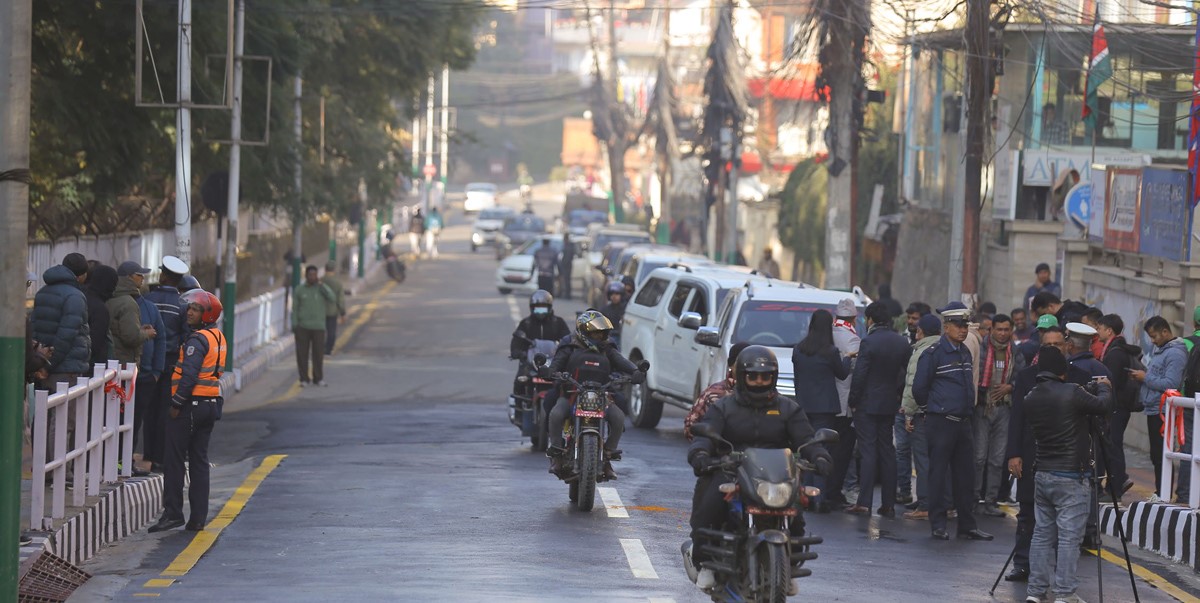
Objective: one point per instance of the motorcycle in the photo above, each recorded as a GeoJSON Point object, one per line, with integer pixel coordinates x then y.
{"type": "Point", "coordinates": [526, 407]}
{"type": "Point", "coordinates": [585, 432]}
{"type": "Point", "coordinates": [753, 555]}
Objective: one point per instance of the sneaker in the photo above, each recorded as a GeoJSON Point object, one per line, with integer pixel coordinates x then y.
{"type": "Point", "coordinates": [321, 383]}
{"type": "Point", "coordinates": [917, 514]}
{"type": "Point", "coordinates": [952, 514]}
{"type": "Point", "coordinates": [304, 383]}
{"type": "Point", "coordinates": [793, 588]}
{"type": "Point", "coordinates": [991, 510]}
{"type": "Point", "coordinates": [706, 579]}
{"type": "Point", "coordinates": [1071, 598]}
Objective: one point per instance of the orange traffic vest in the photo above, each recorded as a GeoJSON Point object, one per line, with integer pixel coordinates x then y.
{"type": "Point", "coordinates": [208, 383]}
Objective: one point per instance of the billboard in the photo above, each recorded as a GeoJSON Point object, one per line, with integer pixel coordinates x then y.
{"type": "Point", "coordinates": [1122, 211]}
{"type": "Point", "coordinates": [1165, 219]}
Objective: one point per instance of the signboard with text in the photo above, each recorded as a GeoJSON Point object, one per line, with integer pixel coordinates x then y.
{"type": "Point", "coordinates": [1165, 218]}
{"type": "Point", "coordinates": [1095, 229]}
{"type": "Point", "coordinates": [1043, 167]}
{"type": "Point", "coordinates": [1004, 189]}
{"type": "Point", "coordinates": [1122, 211]}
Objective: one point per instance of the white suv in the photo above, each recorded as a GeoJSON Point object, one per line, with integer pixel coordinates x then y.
{"type": "Point", "coordinates": [659, 326]}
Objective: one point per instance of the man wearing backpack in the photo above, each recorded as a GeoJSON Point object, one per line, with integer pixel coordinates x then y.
{"type": "Point", "coordinates": [1120, 358]}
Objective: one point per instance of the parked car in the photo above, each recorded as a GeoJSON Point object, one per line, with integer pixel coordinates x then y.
{"type": "Point", "coordinates": [517, 230]}
{"type": "Point", "coordinates": [653, 329]}
{"type": "Point", "coordinates": [487, 224]}
{"type": "Point", "coordinates": [616, 268]}
{"type": "Point", "coordinates": [515, 273]}
{"type": "Point", "coordinates": [479, 196]}
{"type": "Point", "coordinates": [600, 236]}
{"type": "Point", "coordinates": [578, 220]}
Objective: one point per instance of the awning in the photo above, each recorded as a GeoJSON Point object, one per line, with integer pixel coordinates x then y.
{"type": "Point", "coordinates": [795, 89]}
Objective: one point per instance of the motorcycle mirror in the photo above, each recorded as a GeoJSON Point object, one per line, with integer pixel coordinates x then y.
{"type": "Point", "coordinates": [823, 436]}
{"type": "Point", "coordinates": [643, 366]}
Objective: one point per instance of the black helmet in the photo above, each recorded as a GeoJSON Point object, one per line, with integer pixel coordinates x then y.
{"type": "Point", "coordinates": [541, 299]}
{"type": "Point", "coordinates": [592, 328]}
{"type": "Point", "coordinates": [614, 287]}
{"type": "Point", "coordinates": [760, 360]}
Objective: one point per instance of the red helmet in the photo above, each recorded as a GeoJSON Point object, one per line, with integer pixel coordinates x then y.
{"type": "Point", "coordinates": [210, 306]}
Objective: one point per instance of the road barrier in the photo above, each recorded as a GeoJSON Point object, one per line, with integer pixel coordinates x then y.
{"type": "Point", "coordinates": [94, 404]}
{"type": "Point", "coordinates": [1175, 431]}
{"type": "Point", "coordinates": [259, 321]}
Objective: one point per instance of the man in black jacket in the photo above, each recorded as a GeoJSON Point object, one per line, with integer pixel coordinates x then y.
{"type": "Point", "coordinates": [875, 389]}
{"type": "Point", "coordinates": [542, 324]}
{"type": "Point", "coordinates": [1120, 357]}
{"type": "Point", "coordinates": [1058, 413]}
{"type": "Point", "coordinates": [1021, 448]}
{"type": "Point", "coordinates": [755, 416]}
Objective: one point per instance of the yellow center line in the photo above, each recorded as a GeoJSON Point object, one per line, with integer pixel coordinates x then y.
{"type": "Point", "coordinates": [205, 538]}
{"type": "Point", "coordinates": [1152, 578]}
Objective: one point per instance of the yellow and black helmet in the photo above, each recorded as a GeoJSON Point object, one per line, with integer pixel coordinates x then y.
{"type": "Point", "coordinates": [592, 328]}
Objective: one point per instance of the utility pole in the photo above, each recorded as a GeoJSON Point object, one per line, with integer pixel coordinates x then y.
{"type": "Point", "coordinates": [362, 226]}
{"type": "Point", "coordinates": [429, 139]}
{"type": "Point", "coordinates": [16, 26]}
{"type": "Point", "coordinates": [843, 79]}
{"type": "Point", "coordinates": [666, 126]}
{"type": "Point", "coordinates": [618, 143]}
{"type": "Point", "coordinates": [416, 140]}
{"type": "Point", "coordinates": [229, 297]}
{"type": "Point", "coordinates": [297, 221]}
{"type": "Point", "coordinates": [978, 72]}
{"type": "Point", "coordinates": [445, 139]}
{"type": "Point", "coordinates": [183, 137]}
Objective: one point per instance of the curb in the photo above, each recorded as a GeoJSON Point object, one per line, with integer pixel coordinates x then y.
{"type": "Point", "coordinates": [121, 509]}
{"type": "Point", "coordinates": [1166, 529]}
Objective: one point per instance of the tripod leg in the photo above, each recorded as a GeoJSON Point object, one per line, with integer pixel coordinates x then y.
{"type": "Point", "coordinates": [1003, 569]}
{"type": "Point", "coordinates": [1099, 540]}
{"type": "Point", "coordinates": [1112, 491]}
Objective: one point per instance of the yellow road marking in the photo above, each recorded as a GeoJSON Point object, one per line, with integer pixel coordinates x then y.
{"type": "Point", "coordinates": [158, 583]}
{"type": "Point", "coordinates": [1152, 578]}
{"type": "Point", "coordinates": [205, 538]}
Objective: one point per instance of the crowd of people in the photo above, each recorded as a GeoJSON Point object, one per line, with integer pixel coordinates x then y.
{"type": "Point", "coordinates": [956, 413]}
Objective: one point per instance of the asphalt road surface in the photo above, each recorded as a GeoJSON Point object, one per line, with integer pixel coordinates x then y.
{"type": "Point", "coordinates": [404, 481]}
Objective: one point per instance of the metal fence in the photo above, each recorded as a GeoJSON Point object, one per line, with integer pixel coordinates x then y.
{"type": "Point", "coordinates": [1175, 428]}
{"type": "Point", "coordinates": [88, 413]}
{"type": "Point", "coordinates": [258, 321]}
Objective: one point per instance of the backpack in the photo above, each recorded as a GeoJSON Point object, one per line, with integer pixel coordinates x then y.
{"type": "Point", "coordinates": [1191, 371]}
{"type": "Point", "coordinates": [1132, 388]}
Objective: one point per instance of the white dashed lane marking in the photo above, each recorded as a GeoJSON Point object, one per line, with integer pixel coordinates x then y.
{"type": "Point", "coordinates": [661, 600]}
{"type": "Point", "coordinates": [612, 503]}
{"type": "Point", "coordinates": [513, 309]}
{"type": "Point", "coordinates": [639, 561]}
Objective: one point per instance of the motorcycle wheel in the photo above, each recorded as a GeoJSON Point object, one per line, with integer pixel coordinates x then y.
{"type": "Point", "coordinates": [541, 436]}
{"type": "Point", "coordinates": [774, 573]}
{"type": "Point", "coordinates": [589, 471]}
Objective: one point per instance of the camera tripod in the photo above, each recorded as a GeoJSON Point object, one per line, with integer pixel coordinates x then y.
{"type": "Point", "coordinates": [1098, 439]}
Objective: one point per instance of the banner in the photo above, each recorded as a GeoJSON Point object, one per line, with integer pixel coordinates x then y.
{"type": "Point", "coordinates": [1096, 218]}
{"type": "Point", "coordinates": [1122, 211]}
{"type": "Point", "coordinates": [1004, 191]}
{"type": "Point", "coordinates": [1166, 216]}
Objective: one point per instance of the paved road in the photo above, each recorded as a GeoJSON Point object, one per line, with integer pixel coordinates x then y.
{"type": "Point", "coordinates": [403, 481]}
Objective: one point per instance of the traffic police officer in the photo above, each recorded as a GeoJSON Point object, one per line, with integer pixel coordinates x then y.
{"type": "Point", "coordinates": [195, 405]}
{"type": "Point", "coordinates": [944, 389]}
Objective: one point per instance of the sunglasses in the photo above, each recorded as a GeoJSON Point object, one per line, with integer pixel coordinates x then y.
{"type": "Point", "coordinates": [758, 378]}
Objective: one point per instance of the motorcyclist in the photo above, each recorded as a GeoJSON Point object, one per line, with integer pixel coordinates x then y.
{"type": "Point", "coordinates": [589, 356]}
{"type": "Point", "coordinates": [614, 310]}
{"type": "Point", "coordinates": [756, 415]}
{"type": "Point", "coordinates": [541, 323]}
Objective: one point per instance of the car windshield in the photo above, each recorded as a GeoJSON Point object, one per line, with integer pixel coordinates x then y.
{"type": "Point", "coordinates": [495, 214]}
{"type": "Point", "coordinates": [774, 323]}
{"type": "Point", "coordinates": [525, 223]}
{"type": "Point", "coordinates": [530, 246]}
{"type": "Point", "coordinates": [583, 217]}
{"type": "Point", "coordinates": [605, 238]}
{"type": "Point", "coordinates": [481, 187]}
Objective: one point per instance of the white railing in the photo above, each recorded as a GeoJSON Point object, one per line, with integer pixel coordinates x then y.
{"type": "Point", "coordinates": [95, 405]}
{"type": "Point", "coordinates": [1172, 411]}
{"type": "Point", "coordinates": [258, 321]}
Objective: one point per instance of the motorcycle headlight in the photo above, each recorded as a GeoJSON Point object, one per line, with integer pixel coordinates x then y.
{"type": "Point", "coordinates": [774, 495]}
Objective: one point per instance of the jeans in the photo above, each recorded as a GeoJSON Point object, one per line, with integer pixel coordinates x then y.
{"type": "Point", "coordinates": [1061, 509]}
{"type": "Point", "coordinates": [821, 420]}
{"type": "Point", "coordinates": [878, 459]}
{"type": "Point", "coordinates": [991, 439]}
{"type": "Point", "coordinates": [904, 457]}
{"type": "Point", "coordinates": [310, 341]}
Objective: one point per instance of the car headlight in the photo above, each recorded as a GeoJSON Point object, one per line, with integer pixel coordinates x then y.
{"type": "Point", "coordinates": [774, 495]}
{"type": "Point", "coordinates": [476, 238]}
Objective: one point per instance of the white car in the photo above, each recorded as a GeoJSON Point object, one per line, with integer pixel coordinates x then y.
{"type": "Point", "coordinates": [479, 196]}
{"type": "Point", "coordinates": [515, 273]}
{"type": "Point", "coordinates": [487, 224]}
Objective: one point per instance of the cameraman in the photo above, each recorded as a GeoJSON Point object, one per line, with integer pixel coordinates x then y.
{"type": "Point", "coordinates": [1058, 414]}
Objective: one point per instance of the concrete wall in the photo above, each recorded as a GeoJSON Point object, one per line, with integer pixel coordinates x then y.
{"type": "Point", "coordinates": [922, 257]}
{"type": "Point", "coordinates": [757, 228]}
{"type": "Point", "coordinates": [1008, 269]}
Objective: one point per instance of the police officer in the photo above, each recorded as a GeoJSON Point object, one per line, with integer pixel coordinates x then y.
{"type": "Point", "coordinates": [166, 297]}
{"type": "Point", "coordinates": [590, 356]}
{"type": "Point", "coordinates": [756, 415]}
{"type": "Point", "coordinates": [944, 389]}
{"type": "Point", "coordinates": [195, 405]}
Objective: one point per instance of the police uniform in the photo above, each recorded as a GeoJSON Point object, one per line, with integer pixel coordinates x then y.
{"type": "Point", "coordinates": [196, 394]}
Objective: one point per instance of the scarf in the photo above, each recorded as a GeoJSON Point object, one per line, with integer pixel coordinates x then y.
{"type": "Point", "coordinates": [989, 363]}
{"type": "Point", "coordinates": [837, 322]}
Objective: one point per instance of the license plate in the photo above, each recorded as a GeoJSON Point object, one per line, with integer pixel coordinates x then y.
{"type": "Point", "coordinates": [591, 414]}
{"type": "Point", "coordinates": [761, 511]}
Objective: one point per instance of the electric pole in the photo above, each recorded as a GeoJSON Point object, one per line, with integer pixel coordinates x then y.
{"type": "Point", "coordinates": [297, 221]}
{"type": "Point", "coordinates": [429, 139]}
{"type": "Point", "coordinates": [617, 143]}
{"type": "Point", "coordinates": [978, 58]}
{"type": "Point", "coordinates": [183, 137]}
{"type": "Point", "coordinates": [16, 26]}
{"type": "Point", "coordinates": [229, 294]}
{"type": "Point", "coordinates": [445, 138]}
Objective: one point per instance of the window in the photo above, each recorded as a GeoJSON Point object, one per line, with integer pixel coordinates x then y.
{"type": "Point", "coordinates": [699, 305]}
{"type": "Point", "coordinates": [726, 311]}
{"type": "Point", "coordinates": [773, 323]}
{"type": "Point", "coordinates": [679, 298]}
{"type": "Point", "coordinates": [651, 293]}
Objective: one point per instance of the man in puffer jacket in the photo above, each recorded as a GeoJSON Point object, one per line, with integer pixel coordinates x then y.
{"type": "Point", "coordinates": [128, 332]}
{"type": "Point", "coordinates": [102, 281]}
{"type": "Point", "coordinates": [60, 321]}
{"type": "Point", "coordinates": [1164, 370]}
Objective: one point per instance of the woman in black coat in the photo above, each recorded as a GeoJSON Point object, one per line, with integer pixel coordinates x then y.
{"type": "Point", "coordinates": [818, 366]}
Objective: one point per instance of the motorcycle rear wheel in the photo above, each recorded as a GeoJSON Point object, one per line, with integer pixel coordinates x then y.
{"type": "Point", "coordinates": [774, 573]}
{"type": "Point", "coordinates": [589, 470]}
{"type": "Point", "coordinates": [541, 435]}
